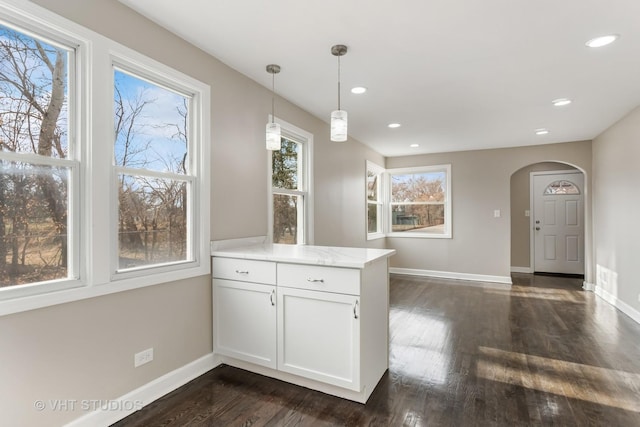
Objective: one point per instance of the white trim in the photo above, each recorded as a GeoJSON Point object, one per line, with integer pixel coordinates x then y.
{"type": "Point", "coordinates": [528, 270]}
{"type": "Point", "coordinates": [95, 55]}
{"type": "Point", "coordinates": [451, 275]}
{"type": "Point", "coordinates": [588, 286]}
{"type": "Point", "coordinates": [448, 202]}
{"type": "Point", "coordinates": [617, 303]}
{"type": "Point", "coordinates": [147, 393]}
{"type": "Point", "coordinates": [306, 139]}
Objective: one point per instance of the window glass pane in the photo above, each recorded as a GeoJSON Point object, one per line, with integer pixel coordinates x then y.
{"type": "Point", "coordinates": [150, 125]}
{"type": "Point", "coordinates": [418, 187]}
{"type": "Point", "coordinates": [372, 186]}
{"type": "Point", "coordinates": [372, 218]}
{"type": "Point", "coordinates": [285, 168]}
{"type": "Point", "coordinates": [33, 223]}
{"type": "Point", "coordinates": [34, 103]}
{"type": "Point", "coordinates": [561, 187]}
{"type": "Point", "coordinates": [418, 218]}
{"type": "Point", "coordinates": [286, 210]}
{"type": "Point", "coordinates": [152, 221]}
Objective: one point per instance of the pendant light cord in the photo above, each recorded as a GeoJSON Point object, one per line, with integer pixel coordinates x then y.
{"type": "Point", "coordinates": [339, 82]}
{"type": "Point", "coordinates": [273, 97]}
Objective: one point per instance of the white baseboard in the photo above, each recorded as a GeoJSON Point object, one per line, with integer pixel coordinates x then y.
{"type": "Point", "coordinates": [451, 275]}
{"type": "Point", "coordinates": [588, 286]}
{"type": "Point", "coordinates": [620, 305]}
{"type": "Point", "coordinates": [528, 270]}
{"type": "Point", "coordinates": [121, 407]}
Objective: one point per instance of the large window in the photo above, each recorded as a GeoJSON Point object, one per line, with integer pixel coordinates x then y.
{"type": "Point", "coordinates": [290, 177]}
{"type": "Point", "coordinates": [154, 173]}
{"type": "Point", "coordinates": [420, 202]}
{"type": "Point", "coordinates": [38, 160]}
{"type": "Point", "coordinates": [104, 165]}
{"type": "Point", "coordinates": [375, 198]}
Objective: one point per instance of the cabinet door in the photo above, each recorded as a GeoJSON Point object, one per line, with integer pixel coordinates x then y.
{"type": "Point", "coordinates": [319, 336]}
{"type": "Point", "coordinates": [245, 321]}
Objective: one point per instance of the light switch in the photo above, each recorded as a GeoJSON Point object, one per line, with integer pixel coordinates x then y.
{"type": "Point", "coordinates": [527, 213]}
{"type": "Point", "coordinates": [496, 213]}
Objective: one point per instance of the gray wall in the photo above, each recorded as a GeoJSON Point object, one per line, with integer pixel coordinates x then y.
{"type": "Point", "coordinates": [616, 167]}
{"type": "Point", "coordinates": [481, 183]}
{"type": "Point", "coordinates": [84, 349]}
{"type": "Point", "coordinates": [521, 202]}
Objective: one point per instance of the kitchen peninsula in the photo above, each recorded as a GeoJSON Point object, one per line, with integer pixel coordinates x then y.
{"type": "Point", "coordinates": [316, 316]}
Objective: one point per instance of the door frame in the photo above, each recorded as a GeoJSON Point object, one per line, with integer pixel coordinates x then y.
{"type": "Point", "coordinates": [532, 248]}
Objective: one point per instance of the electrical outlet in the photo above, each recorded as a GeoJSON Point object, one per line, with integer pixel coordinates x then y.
{"type": "Point", "coordinates": [145, 356]}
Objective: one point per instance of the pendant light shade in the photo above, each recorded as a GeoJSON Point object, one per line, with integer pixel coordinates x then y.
{"type": "Point", "coordinates": [339, 125]}
{"type": "Point", "coordinates": [273, 136]}
{"type": "Point", "coordinates": [273, 133]}
{"type": "Point", "coordinates": [339, 120]}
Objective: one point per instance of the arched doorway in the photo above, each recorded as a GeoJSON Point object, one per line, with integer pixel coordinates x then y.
{"type": "Point", "coordinates": [522, 224]}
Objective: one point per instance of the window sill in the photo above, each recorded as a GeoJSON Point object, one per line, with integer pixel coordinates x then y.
{"type": "Point", "coordinates": [416, 235]}
{"type": "Point", "coordinates": [375, 236]}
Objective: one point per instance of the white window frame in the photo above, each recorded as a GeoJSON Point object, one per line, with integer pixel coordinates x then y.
{"type": "Point", "coordinates": [93, 172]}
{"type": "Point", "coordinates": [380, 203]}
{"type": "Point", "coordinates": [305, 235]}
{"type": "Point", "coordinates": [447, 204]}
{"type": "Point", "coordinates": [175, 84]}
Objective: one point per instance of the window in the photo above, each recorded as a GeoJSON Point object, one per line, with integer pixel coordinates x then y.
{"type": "Point", "coordinates": [39, 165]}
{"type": "Point", "coordinates": [104, 155]}
{"type": "Point", "coordinates": [420, 202]}
{"type": "Point", "coordinates": [374, 201]}
{"type": "Point", "coordinates": [290, 176]}
{"type": "Point", "coordinates": [561, 187]}
{"type": "Point", "coordinates": [154, 173]}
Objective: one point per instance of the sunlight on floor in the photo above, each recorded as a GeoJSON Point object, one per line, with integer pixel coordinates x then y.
{"type": "Point", "coordinates": [573, 380]}
{"type": "Point", "coordinates": [550, 294]}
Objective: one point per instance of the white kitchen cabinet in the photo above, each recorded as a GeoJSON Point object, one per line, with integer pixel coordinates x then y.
{"type": "Point", "coordinates": [319, 336]}
{"type": "Point", "coordinates": [328, 329]}
{"type": "Point", "coordinates": [245, 313]}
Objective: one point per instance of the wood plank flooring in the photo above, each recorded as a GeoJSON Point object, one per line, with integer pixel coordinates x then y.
{"type": "Point", "coordinates": [543, 352]}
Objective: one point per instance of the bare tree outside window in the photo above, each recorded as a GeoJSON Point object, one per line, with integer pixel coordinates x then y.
{"type": "Point", "coordinates": [418, 202]}
{"type": "Point", "coordinates": [34, 153]}
{"type": "Point", "coordinates": [288, 192]}
{"type": "Point", "coordinates": [151, 157]}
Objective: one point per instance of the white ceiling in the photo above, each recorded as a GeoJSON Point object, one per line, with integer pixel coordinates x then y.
{"type": "Point", "coordinates": [457, 74]}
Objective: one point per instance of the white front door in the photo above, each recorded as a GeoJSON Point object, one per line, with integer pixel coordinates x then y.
{"type": "Point", "coordinates": [558, 222]}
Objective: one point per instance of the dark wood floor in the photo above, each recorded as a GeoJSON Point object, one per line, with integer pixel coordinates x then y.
{"type": "Point", "coordinates": [541, 353]}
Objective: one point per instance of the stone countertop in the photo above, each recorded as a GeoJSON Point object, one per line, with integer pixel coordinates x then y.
{"type": "Point", "coordinates": [332, 256]}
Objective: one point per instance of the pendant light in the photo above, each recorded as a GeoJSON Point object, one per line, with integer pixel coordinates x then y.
{"type": "Point", "coordinates": [273, 128]}
{"type": "Point", "coordinates": [339, 116]}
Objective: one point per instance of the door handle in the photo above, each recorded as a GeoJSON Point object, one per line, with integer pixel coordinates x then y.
{"type": "Point", "coordinates": [355, 310]}
{"type": "Point", "coordinates": [242, 271]}
{"type": "Point", "coordinates": [537, 228]}
{"type": "Point", "coordinates": [271, 297]}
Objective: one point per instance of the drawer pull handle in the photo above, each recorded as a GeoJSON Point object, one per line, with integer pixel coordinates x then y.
{"type": "Point", "coordinates": [315, 280]}
{"type": "Point", "coordinates": [271, 298]}
{"type": "Point", "coordinates": [355, 310]}
{"type": "Point", "coordinates": [242, 271]}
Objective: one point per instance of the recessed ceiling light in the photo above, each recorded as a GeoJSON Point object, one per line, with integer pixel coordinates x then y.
{"type": "Point", "coordinates": [602, 40]}
{"type": "Point", "coordinates": [394, 125]}
{"type": "Point", "coordinates": [542, 131]}
{"type": "Point", "coordinates": [414, 145]}
{"type": "Point", "coordinates": [358, 90]}
{"type": "Point", "coordinates": [561, 102]}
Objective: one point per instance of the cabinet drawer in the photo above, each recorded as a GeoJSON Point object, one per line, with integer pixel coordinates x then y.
{"type": "Point", "coordinates": [318, 278]}
{"type": "Point", "coordinates": [244, 270]}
